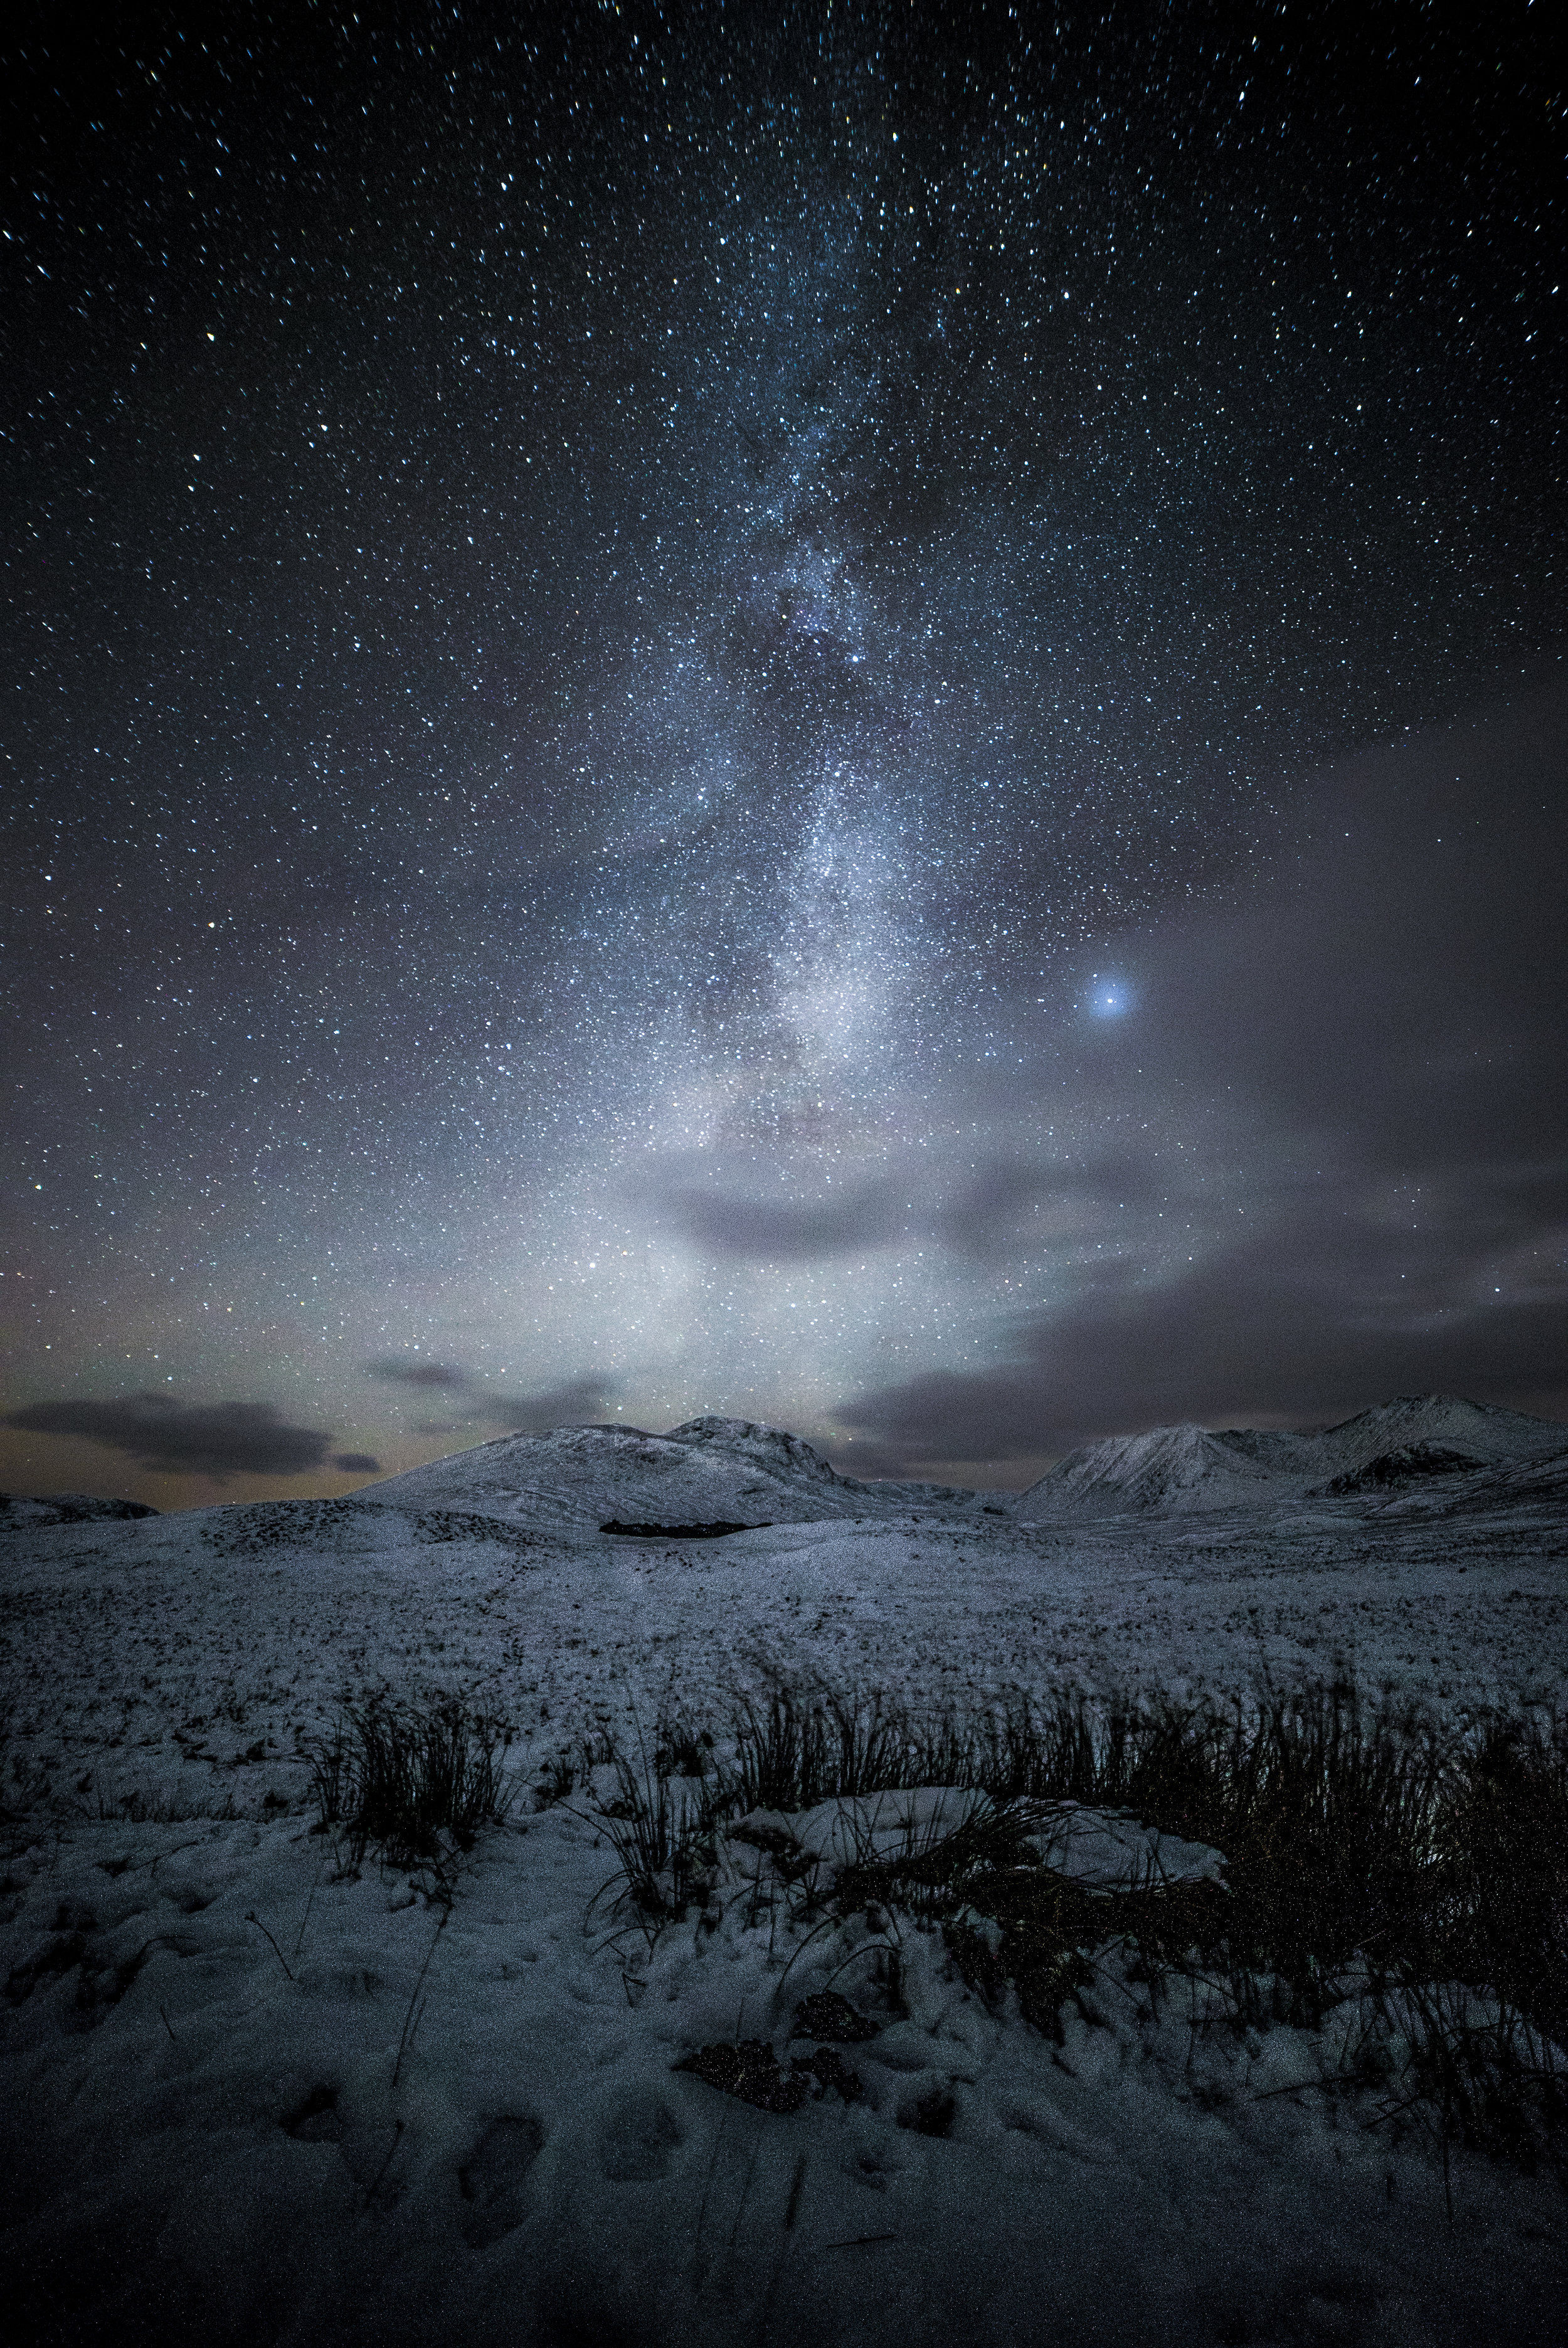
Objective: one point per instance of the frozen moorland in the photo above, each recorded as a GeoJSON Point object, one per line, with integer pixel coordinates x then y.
{"type": "Point", "coordinates": [267, 2083]}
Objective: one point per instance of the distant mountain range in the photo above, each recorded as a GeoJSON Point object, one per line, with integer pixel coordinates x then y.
{"type": "Point", "coordinates": [713, 1475]}
{"type": "Point", "coordinates": [1399, 1447]}
{"type": "Point", "coordinates": [732, 1470]}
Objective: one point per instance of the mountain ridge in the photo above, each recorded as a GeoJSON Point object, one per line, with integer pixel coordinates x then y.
{"type": "Point", "coordinates": [708, 1469]}
{"type": "Point", "coordinates": [1378, 1451]}
{"type": "Point", "coordinates": [713, 1468]}
{"type": "Point", "coordinates": [1416, 1450]}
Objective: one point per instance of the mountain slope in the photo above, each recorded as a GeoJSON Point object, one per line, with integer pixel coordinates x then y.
{"type": "Point", "coordinates": [707, 1470]}
{"type": "Point", "coordinates": [1493, 1436]}
{"type": "Point", "coordinates": [1169, 1467]}
{"type": "Point", "coordinates": [1409, 1443]}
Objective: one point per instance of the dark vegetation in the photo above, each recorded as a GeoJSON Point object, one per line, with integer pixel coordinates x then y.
{"type": "Point", "coordinates": [412, 1785]}
{"type": "Point", "coordinates": [1412, 1877]}
{"type": "Point", "coordinates": [714, 1531]}
{"type": "Point", "coordinates": [68, 1509]}
{"type": "Point", "coordinates": [255, 1529]}
{"type": "Point", "coordinates": [751, 2071]}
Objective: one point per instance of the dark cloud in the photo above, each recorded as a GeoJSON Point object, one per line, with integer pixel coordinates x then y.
{"type": "Point", "coordinates": [356, 1463]}
{"type": "Point", "coordinates": [398, 1371]}
{"type": "Point", "coordinates": [1010, 1203]}
{"type": "Point", "coordinates": [576, 1402]}
{"type": "Point", "coordinates": [223, 1438]}
{"type": "Point", "coordinates": [981, 1212]}
{"type": "Point", "coordinates": [1331, 1163]}
{"type": "Point", "coordinates": [1297, 1336]}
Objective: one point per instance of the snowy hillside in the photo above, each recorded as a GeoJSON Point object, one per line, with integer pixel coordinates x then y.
{"type": "Point", "coordinates": [1445, 1422]}
{"type": "Point", "coordinates": [18, 1513]}
{"type": "Point", "coordinates": [1172, 1466]}
{"type": "Point", "coordinates": [1392, 1449]}
{"type": "Point", "coordinates": [707, 1470]}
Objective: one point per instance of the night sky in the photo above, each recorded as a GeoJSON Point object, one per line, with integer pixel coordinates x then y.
{"type": "Point", "coordinates": [848, 715]}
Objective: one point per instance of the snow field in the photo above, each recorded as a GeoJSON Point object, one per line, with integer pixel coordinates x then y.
{"type": "Point", "coordinates": [414, 2121]}
{"type": "Point", "coordinates": [153, 1661]}
{"type": "Point", "coordinates": [253, 2095]}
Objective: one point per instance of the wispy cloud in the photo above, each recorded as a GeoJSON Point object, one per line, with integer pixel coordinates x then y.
{"type": "Point", "coordinates": [778, 1229]}
{"type": "Point", "coordinates": [471, 1398]}
{"type": "Point", "coordinates": [569, 1405]}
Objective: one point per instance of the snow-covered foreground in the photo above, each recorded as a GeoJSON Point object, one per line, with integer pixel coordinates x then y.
{"type": "Point", "coordinates": [253, 2095]}
{"type": "Point", "coordinates": [402, 2123]}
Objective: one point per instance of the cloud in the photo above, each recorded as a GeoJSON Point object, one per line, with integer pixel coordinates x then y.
{"type": "Point", "coordinates": [575, 1402]}
{"type": "Point", "coordinates": [776, 1230]}
{"type": "Point", "coordinates": [223, 1438]}
{"type": "Point", "coordinates": [1255, 1336]}
{"type": "Point", "coordinates": [1016, 1203]}
{"type": "Point", "coordinates": [983, 1213]}
{"type": "Point", "coordinates": [356, 1463]}
{"type": "Point", "coordinates": [1326, 1159]}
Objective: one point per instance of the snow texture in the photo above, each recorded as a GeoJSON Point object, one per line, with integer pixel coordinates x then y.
{"type": "Point", "coordinates": [254, 2094]}
{"type": "Point", "coordinates": [1106, 1850]}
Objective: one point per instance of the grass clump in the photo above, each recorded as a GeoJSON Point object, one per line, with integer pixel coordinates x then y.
{"type": "Point", "coordinates": [1329, 1815]}
{"type": "Point", "coordinates": [804, 1747]}
{"type": "Point", "coordinates": [1399, 1885]}
{"type": "Point", "coordinates": [1411, 1881]}
{"type": "Point", "coordinates": [663, 1830]}
{"type": "Point", "coordinates": [413, 1784]}
{"type": "Point", "coordinates": [1503, 1869]}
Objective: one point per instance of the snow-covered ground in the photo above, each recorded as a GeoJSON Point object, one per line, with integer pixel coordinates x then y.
{"type": "Point", "coordinates": [253, 2095]}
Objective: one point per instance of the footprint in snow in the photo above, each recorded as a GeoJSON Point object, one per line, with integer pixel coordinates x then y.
{"type": "Point", "coordinates": [492, 2179]}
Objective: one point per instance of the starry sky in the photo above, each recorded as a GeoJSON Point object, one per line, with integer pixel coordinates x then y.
{"type": "Point", "coordinates": [852, 715]}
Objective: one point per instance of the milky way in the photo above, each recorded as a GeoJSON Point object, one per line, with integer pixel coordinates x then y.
{"type": "Point", "coordinates": [676, 669]}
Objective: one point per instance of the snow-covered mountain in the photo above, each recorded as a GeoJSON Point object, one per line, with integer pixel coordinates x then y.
{"type": "Point", "coordinates": [1170, 1467]}
{"type": "Point", "coordinates": [709, 1470]}
{"type": "Point", "coordinates": [1429, 1451]}
{"type": "Point", "coordinates": [1494, 1438]}
{"type": "Point", "coordinates": [735, 1471]}
{"type": "Point", "coordinates": [1414, 1443]}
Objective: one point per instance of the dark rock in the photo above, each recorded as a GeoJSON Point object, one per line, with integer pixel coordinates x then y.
{"type": "Point", "coordinates": [753, 2073]}
{"type": "Point", "coordinates": [1406, 1465]}
{"type": "Point", "coordinates": [829, 2069]}
{"type": "Point", "coordinates": [828, 2015]}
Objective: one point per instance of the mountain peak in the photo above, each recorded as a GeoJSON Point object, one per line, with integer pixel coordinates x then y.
{"type": "Point", "coordinates": [1187, 1467]}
